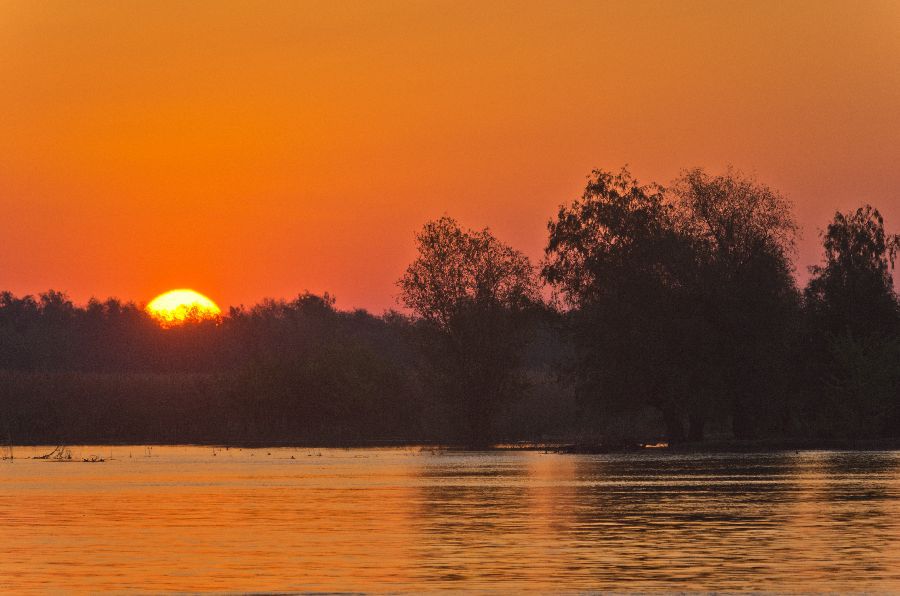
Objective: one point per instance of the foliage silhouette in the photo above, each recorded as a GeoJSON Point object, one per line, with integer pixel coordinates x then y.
{"type": "Point", "coordinates": [853, 348]}
{"type": "Point", "coordinates": [473, 295]}
{"type": "Point", "coordinates": [674, 315]}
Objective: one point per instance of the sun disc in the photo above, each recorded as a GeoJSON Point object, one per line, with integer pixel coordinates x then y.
{"type": "Point", "coordinates": [177, 307]}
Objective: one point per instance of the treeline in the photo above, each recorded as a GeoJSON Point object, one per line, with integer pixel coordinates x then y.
{"type": "Point", "coordinates": [297, 371]}
{"type": "Point", "coordinates": [656, 314]}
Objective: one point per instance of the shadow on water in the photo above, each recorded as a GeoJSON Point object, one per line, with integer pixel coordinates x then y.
{"type": "Point", "coordinates": [858, 495]}
{"type": "Point", "coordinates": [665, 520]}
{"type": "Point", "coordinates": [594, 520]}
{"type": "Point", "coordinates": [734, 521]}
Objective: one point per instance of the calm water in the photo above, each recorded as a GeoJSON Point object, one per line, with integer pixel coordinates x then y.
{"type": "Point", "coordinates": [181, 518]}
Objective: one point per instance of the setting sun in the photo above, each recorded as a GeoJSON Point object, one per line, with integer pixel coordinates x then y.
{"type": "Point", "coordinates": [177, 306]}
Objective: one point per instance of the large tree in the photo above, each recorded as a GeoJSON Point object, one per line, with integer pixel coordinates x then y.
{"type": "Point", "coordinates": [669, 291]}
{"type": "Point", "coordinates": [853, 291]}
{"type": "Point", "coordinates": [854, 329]}
{"type": "Point", "coordinates": [617, 261]}
{"type": "Point", "coordinates": [472, 293]}
{"type": "Point", "coordinates": [743, 235]}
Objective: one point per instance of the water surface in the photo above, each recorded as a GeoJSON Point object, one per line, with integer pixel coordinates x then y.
{"type": "Point", "coordinates": [198, 519]}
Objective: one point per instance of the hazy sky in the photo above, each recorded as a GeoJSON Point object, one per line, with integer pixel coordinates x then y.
{"type": "Point", "coordinates": [251, 149]}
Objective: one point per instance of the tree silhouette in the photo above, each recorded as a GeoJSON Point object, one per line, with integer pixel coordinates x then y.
{"type": "Point", "coordinates": [853, 292]}
{"type": "Point", "coordinates": [674, 312]}
{"type": "Point", "coordinates": [854, 350]}
{"type": "Point", "coordinates": [472, 293]}
{"type": "Point", "coordinates": [617, 260]}
{"type": "Point", "coordinates": [678, 295]}
{"type": "Point", "coordinates": [742, 233]}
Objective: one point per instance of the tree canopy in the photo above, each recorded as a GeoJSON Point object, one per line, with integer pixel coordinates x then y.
{"type": "Point", "coordinates": [474, 292]}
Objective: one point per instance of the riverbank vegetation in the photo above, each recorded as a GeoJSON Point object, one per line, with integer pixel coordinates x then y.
{"type": "Point", "coordinates": [657, 314]}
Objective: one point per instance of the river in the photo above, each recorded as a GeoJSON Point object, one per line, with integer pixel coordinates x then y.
{"type": "Point", "coordinates": [416, 519]}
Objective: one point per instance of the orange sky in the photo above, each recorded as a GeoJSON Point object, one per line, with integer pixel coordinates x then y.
{"type": "Point", "coordinates": [251, 149]}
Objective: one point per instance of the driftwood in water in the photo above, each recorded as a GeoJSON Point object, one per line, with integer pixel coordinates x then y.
{"type": "Point", "coordinates": [60, 452]}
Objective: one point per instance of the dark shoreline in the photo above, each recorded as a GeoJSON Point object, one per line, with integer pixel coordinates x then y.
{"type": "Point", "coordinates": [554, 447]}
{"type": "Point", "coordinates": [745, 446]}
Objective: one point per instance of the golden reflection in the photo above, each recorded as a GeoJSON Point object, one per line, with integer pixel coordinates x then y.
{"type": "Point", "coordinates": [291, 519]}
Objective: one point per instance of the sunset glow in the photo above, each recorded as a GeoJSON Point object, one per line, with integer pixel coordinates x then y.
{"type": "Point", "coordinates": [325, 133]}
{"type": "Point", "coordinates": [177, 306]}
{"type": "Point", "coordinates": [516, 296]}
